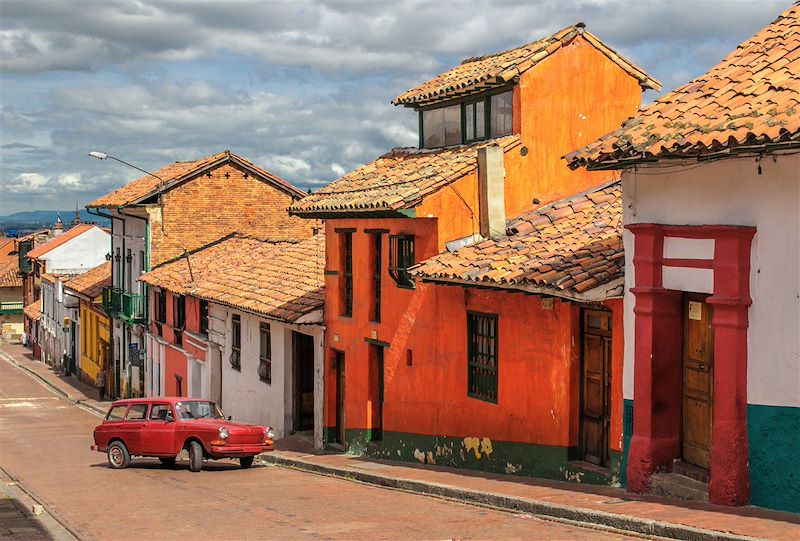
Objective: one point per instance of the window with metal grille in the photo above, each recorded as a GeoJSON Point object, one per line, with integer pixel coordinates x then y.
{"type": "Point", "coordinates": [236, 342]}
{"type": "Point", "coordinates": [401, 257]}
{"type": "Point", "coordinates": [482, 356]}
{"type": "Point", "coordinates": [347, 274]}
{"type": "Point", "coordinates": [265, 353]}
{"type": "Point", "coordinates": [203, 317]}
{"type": "Point", "coordinates": [377, 269]}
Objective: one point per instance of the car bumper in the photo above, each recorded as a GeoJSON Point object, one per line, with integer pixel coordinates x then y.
{"type": "Point", "coordinates": [235, 451]}
{"type": "Point", "coordinates": [98, 448]}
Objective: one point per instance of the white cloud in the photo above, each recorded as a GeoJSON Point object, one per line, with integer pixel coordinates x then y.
{"type": "Point", "coordinates": [337, 169]}
{"type": "Point", "coordinates": [27, 183]}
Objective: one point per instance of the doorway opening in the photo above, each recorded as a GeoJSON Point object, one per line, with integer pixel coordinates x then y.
{"type": "Point", "coordinates": [697, 381]}
{"type": "Point", "coordinates": [303, 347]}
{"type": "Point", "coordinates": [338, 361]}
{"type": "Point", "coordinates": [595, 387]}
{"type": "Point", "coordinates": [376, 391]}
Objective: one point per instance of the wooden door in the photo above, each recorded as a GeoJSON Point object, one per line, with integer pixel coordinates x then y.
{"type": "Point", "coordinates": [698, 372]}
{"type": "Point", "coordinates": [376, 391]}
{"type": "Point", "coordinates": [595, 382]}
{"type": "Point", "coordinates": [339, 360]}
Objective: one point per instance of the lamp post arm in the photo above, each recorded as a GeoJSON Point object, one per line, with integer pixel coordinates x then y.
{"type": "Point", "coordinates": [137, 168]}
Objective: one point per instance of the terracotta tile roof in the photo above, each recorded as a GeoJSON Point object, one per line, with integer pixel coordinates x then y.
{"type": "Point", "coordinates": [91, 282]}
{"type": "Point", "coordinates": [280, 279]}
{"type": "Point", "coordinates": [48, 277]}
{"type": "Point", "coordinates": [59, 240]}
{"type": "Point", "coordinates": [33, 310]}
{"type": "Point", "coordinates": [399, 179]}
{"type": "Point", "coordinates": [495, 70]}
{"type": "Point", "coordinates": [9, 275]}
{"type": "Point", "coordinates": [568, 248]}
{"type": "Point", "coordinates": [750, 99]}
{"type": "Point", "coordinates": [177, 172]}
{"type": "Point", "coordinates": [8, 251]}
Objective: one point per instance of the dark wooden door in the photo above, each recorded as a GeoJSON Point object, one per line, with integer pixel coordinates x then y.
{"type": "Point", "coordinates": [698, 373]}
{"type": "Point", "coordinates": [340, 435]}
{"type": "Point", "coordinates": [304, 382]}
{"type": "Point", "coordinates": [595, 382]}
{"type": "Point", "coordinates": [376, 391]}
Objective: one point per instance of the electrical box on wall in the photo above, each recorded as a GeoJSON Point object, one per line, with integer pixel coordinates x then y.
{"type": "Point", "coordinates": [547, 303]}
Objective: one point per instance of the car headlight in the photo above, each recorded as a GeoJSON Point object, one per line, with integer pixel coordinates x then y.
{"type": "Point", "coordinates": [223, 433]}
{"type": "Point", "coordinates": [269, 433]}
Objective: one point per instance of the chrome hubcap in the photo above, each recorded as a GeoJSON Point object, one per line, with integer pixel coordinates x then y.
{"type": "Point", "coordinates": [116, 456]}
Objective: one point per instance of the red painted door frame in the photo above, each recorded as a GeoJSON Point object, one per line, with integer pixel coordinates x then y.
{"type": "Point", "coordinates": [657, 358]}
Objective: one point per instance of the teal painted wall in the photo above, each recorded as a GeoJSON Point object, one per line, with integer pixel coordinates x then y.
{"type": "Point", "coordinates": [773, 442]}
{"type": "Point", "coordinates": [627, 432]}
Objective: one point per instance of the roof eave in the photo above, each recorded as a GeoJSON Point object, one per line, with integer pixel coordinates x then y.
{"type": "Point", "coordinates": [607, 291]}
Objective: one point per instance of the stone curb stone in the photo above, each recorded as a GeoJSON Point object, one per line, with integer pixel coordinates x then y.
{"type": "Point", "coordinates": [534, 507]}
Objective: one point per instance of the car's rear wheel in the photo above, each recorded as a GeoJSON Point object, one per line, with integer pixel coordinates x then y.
{"type": "Point", "coordinates": [246, 461]}
{"type": "Point", "coordinates": [195, 456]}
{"type": "Point", "coordinates": [168, 461]}
{"type": "Point", "coordinates": [118, 455]}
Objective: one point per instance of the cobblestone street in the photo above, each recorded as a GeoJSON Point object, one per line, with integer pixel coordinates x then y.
{"type": "Point", "coordinates": [46, 446]}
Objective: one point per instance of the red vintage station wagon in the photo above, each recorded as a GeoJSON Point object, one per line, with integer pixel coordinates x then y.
{"type": "Point", "coordinates": [163, 427]}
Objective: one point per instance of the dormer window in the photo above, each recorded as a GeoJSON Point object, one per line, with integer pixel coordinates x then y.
{"type": "Point", "coordinates": [468, 121]}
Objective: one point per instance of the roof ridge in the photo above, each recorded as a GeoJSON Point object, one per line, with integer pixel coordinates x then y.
{"type": "Point", "coordinates": [447, 177]}
{"type": "Point", "coordinates": [549, 39]}
{"type": "Point", "coordinates": [544, 208]}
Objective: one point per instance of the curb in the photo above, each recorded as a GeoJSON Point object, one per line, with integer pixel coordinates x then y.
{"type": "Point", "coordinates": [54, 388]}
{"type": "Point", "coordinates": [534, 507]}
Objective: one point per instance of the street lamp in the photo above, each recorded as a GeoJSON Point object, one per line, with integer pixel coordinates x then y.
{"type": "Point", "coordinates": [106, 156]}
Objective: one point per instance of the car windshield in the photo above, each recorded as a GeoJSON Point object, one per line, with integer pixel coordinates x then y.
{"type": "Point", "coordinates": [198, 409]}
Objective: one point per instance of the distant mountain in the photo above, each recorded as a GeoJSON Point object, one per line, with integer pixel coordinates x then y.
{"type": "Point", "coordinates": [34, 219]}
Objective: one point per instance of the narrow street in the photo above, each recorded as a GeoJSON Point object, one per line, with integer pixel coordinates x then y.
{"type": "Point", "coordinates": [45, 444]}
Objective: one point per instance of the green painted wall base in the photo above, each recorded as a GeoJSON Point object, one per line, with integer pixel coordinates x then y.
{"type": "Point", "coordinates": [481, 454]}
{"type": "Point", "coordinates": [773, 442]}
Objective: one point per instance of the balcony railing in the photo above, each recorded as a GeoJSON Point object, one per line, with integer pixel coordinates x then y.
{"type": "Point", "coordinates": [112, 300]}
{"type": "Point", "coordinates": [12, 307]}
{"type": "Point", "coordinates": [133, 307]}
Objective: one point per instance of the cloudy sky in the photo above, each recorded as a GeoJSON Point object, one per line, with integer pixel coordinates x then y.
{"type": "Point", "coordinates": [301, 88]}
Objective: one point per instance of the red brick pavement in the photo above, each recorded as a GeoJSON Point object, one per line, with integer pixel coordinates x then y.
{"type": "Point", "coordinates": [745, 521]}
{"type": "Point", "coordinates": [45, 443]}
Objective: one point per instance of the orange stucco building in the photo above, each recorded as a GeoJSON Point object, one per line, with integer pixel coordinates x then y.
{"type": "Point", "coordinates": [454, 336]}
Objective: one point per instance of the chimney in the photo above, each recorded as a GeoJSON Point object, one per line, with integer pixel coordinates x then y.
{"type": "Point", "coordinates": [59, 227]}
{"type": "Point", "coordinates": [491, 195]}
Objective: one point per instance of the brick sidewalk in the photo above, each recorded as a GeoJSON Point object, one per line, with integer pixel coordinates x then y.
{"type": "Point", "coordinates": [593, 504]}
{"type": "Point", "coordinates": [69, 386]}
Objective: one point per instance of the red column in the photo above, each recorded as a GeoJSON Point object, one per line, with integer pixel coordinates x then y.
{"type": "Point", "coordinates": [657, 331]}
{"type": "Point", "coordinates": [657, 411]}
{"type": "Point", "coordinates": [729, 484]}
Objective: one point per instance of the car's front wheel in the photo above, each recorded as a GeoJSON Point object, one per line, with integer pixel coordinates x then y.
{"type": "Point", "coordinates": [246, 461]}
{"type": "Point", "coordinates": [118, 455]}
{"type": "Point", "coordinates": [195, 456]}
{"type": "Point", "coordinates": [168, 461]}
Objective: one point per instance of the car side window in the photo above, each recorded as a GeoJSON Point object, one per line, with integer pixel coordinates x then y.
{"type": "Point", "coordinates": [116, 412]}
{"type": "Point", "coordinates": [137, 412]}
{"type": "Point", "coordinates": [159, 412]}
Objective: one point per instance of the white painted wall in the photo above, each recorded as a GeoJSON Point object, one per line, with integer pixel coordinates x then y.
{"type": "Point", "coordinates": [731, 192]}
{"type": "Point", "coordinates": [244, 395]}
{"type": "Point", "coordinates": [80, 254]}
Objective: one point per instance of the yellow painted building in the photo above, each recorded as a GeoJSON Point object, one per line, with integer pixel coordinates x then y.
{"type": "Point", "coordinates": [94, 330]}
{"type": "Point", "coordinates": [93, 324]}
